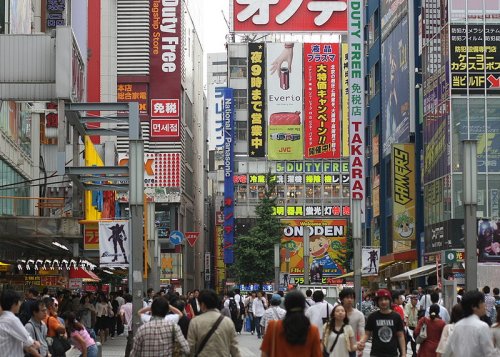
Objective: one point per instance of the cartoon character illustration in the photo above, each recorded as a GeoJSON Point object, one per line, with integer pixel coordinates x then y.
{"type": "Point", "coordinates": [404, 225]}
{"type": "Point", "coordinates": [373, 260]}
{"type": "Point", "coordinates": [322, 262]}
{"type": "Point", "coordinates": [118, 236]}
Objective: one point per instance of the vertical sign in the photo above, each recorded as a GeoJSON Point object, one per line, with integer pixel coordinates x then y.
{"type": "Point", "coordinates": [228, 175]}
{"type": "Point", "coordinates": [321, 119]}
{"type": "Point", "coordinates": [284, 85]}
{"type": "Point", "coordinates": [165, 70]}
{"type": "Point", "coordinates": [370, 261]}
{"type": "Point", "coordinates": [256, 100]}
{"type": "Point", "coordinates": [357, 102]}
{"type": "Point", "coordinates": [345, 100]}
{"type": "Point", "coordinates": [403, 195]}
{"type": "Point", "coordinates": [207, 266]}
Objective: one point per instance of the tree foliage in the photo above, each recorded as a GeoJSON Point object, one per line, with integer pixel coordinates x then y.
{"type": "Point", "coordinates": [254, 252]}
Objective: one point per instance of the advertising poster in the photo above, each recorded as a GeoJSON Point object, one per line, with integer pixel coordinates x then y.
{"type": "Point", "coordinates": [220, 268]}
{"type": "Point", "coordinates": [114, 244]}
{"type": "Point", "coordinates": [444, 235]}
{"type": "Point", "coordinates": [165, 67]}
{"type": "Point", "coordinates": [228, 175]}
{"type": "Point", "coordinates": [289, 16]}
{"type": "Point", "coordinates": [488, 241]}
{"type": "Point", "coordinates": [256, 100]}
{"type": "Point", "coordinates": [327, 243]}
{"type": "Point", "coordinates": [345, 100]}
{"type": "Point", "coordinates": [134, 92]}
{"type": "Point", "coordinates": [322, 112]}
{"type": "Point", "coordinates": [403, 195]}
{"type": "Point", "coordinates": [285, 91]}
{"type": "Point", "coordinates": [370, 261]}
{"type": "Point", "coordinates": [91, 236]}
{"type": "Point", "coordinates": [395, 88]}
{"type": "Point", "coordinates": [436, 139]}
{"type": "Point", "coordinates": [477, 56]}
{"type": "Point", "coordinates": [391, 11]}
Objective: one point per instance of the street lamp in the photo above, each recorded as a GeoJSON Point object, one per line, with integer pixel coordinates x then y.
{"type": "Point", "coordinates": [276, 267]}
{"type": "Point", "coordinates": [469, 181]}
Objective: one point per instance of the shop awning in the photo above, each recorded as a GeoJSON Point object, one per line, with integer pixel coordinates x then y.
{"type": "Point", "coordinates": [86, 275]}
{"type": "Point", "coordinates": [381, 266]}
{"type": "Point", "coordinates": [415, 273]}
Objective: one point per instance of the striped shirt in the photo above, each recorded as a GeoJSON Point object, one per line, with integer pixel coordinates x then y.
{"type": "Point", "coordinates": [13, 335]}
{"type": "Point", "coordinates": [154, 339]}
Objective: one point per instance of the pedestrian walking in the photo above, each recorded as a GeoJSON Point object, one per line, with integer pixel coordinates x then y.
{"type": "Point", "coordinates": [14, 339]}
{"type": "Point", "coordinates": [434, 328]}
{"type": "Point", "coordinates": [385, 327]}
{"type": "Point", "coordinates": [159, 336]}
{"type": "Point", "coordinates": [490, 302]}
{"type": "Point", "coordinates": [27, 305]}
{"type": "Point", "coordinates": [234, 311]}
{"type": "Point", "coordinates": [126, 317]}
{"type": "Point", "coordinates": [80, 338]}
{"type": "Point", "coordinates": [320, 312]}
{"type": "Point", "coordinates": [212, 334]}
{"type": "Point", "coordinates": [356, 319]}
{"type": "Point", "coordinates": [456, 315]}
{"type": "Point", "coordinates": [104, 311]}
{"type": "Point", "coordinates": [274, 313]}
{"type": "Point", "coordinates": [86, 313]}
{"type": "Point", "coordinates": [495, 330]}
{"type": "Point", "coordinates": [259, 307]}
{"type": "Point", "coordinates": [443, 313]}
{"type": "Point", "coordinates": [293, 336]}
{"type": "Point", "coordinates": [249, 310]}
{"type": "Point", "coordinates": [338, 335]}
{"type": "Point", "coordinates": [411, 321]}
{"type": "Point", "coordinates": [195, 303]}
{"type": "Point", "coordinates": [37, 328]}
{"type": "Point", "coordinates": [309, 301]}
{"type": "Point", "coordinates": [471, 336]}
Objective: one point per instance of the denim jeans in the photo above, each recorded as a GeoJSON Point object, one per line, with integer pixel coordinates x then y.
{"type": "Point", "coordinates": [92, 351]}
{"type": "Point", "coordinates": [252, 322]}
{"type": "Point", "coordinates": [256, 320]}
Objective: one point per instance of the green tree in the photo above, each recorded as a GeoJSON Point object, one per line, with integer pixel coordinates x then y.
{"type": "Point", "coordinates": [254, 252]}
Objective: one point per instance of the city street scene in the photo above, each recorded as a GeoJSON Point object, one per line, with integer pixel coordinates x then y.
{"type": "Point", "coordinates": [270, 178]}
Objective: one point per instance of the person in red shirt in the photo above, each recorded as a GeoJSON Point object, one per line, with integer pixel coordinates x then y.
{"type": "Point", "coordinates": [435, 328]}
{"type": "Point", "coordinates": [397, 304]}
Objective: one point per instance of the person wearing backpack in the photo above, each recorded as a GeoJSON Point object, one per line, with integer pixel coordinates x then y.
{"type": "Point", "coordinates": [234, 309]}
{"type": "Point", "coordinates": [27, 305]}
{"type": "Point", "coordinates": [259, 306]}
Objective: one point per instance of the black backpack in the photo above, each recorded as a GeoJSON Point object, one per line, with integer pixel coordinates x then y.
{"type": "Point", "coordinates": [233, 309]}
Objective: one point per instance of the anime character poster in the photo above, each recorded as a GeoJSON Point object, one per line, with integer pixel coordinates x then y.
{"type": "Point", "coordinates": [488, 241]}
{"type": "Point", "coordinates": [114, 244]}
{"type": "Point", "coordinates": [327, 248]}
{"type": "Point", "coordinates": [370, 261]}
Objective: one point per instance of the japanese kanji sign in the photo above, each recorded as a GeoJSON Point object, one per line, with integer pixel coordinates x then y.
{"type": "Point", "coordinates": [228, 175]}
{"type": "Point", "coordinates": [290, 15]}
{"type": "Point", "coordinates": [322, 117]}
{"type": "Point", "coordinates": [475, 61]}
{"type": "Point", "coordinates": [134, 92]}
{"type": "Point", "coordinates": [256, 100]}
{"type": "Point", "coordinates": [165, 70]}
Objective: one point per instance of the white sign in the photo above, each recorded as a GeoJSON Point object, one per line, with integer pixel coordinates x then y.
{"type": "Point", "coordinates": [114, 244]}
{"type": "Point", "coordinates": [75, 284]}
{"type": "Point", "coordinates": [207, 266]}
{"type": "Point", "coordinates": [370, 259]}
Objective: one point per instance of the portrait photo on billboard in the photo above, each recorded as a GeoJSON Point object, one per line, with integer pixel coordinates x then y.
{"type": "Point", "coordinates": [395, 88]}
{"type": "Point", "coordinates": [488, 241]}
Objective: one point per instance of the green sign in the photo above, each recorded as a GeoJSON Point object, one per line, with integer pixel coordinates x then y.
{"type": "Point", "coordinates": [453, 256]}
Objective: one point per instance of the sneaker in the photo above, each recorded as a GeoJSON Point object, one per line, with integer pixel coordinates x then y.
{"type": "Point", "coordinates": [252, 332]}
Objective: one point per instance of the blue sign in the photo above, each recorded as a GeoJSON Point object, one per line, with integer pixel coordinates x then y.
{"type": "Point", "coordinates": [228, 123]}
{"type": "Point", "coordinates": [176, 237]}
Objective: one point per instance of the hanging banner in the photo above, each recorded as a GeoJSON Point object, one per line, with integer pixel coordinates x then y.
{"type": "Point", "coordinates": [488, 244]}
{"type": "Point", "coordinates": [345, 100]}
{"type": "Point", "coordinates": [228, 175]}
{"type": "Point", "coordinates": [256, 100]}
{"type": "Point", "coordinates": [370, 260]}
{"type": "Point", "coordinates": [403, 196]}
{"type": "Point", "coordinates": [322, 118]}
{"type": "Point", "coordinates": [285, 90]}
{"type": "Point", "coordinates": [90, 236]}
{"type": "Point", "coordinates": [114, 244]}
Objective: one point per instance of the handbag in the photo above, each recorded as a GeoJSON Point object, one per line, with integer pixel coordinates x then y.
{"type": "Point", "coordinates": [422, 336]}
{"type": "Point", "coordinates": [326, 353]}
{"type": "Point", "coordinates": [177, 350]}
{"type": "Point", "coordinates": [58, 345]}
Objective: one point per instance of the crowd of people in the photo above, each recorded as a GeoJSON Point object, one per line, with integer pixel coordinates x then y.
{"type": "Point", "coordinates": [291, 324]}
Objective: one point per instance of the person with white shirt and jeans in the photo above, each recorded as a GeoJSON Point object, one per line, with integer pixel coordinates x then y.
{"type": "Point", "coordinates": [259, 306]}
{"type": "Point", "coordinates": [471, 336]}
{"type": "Point", "coordinates": [14, 338]}
{"type": "Point", "coordinates": [126, 317]}
{"type": "Point", "coordinates": [309, 300]}
{"type": "Point", "coordinates": [347, 298]}
{"type": "Point", "coordinates": [443, 313]}
{"type": "Point", "coordinates": [319, 311]}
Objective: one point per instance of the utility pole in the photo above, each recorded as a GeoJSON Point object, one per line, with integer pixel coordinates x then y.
{"type": "Point", "coordinates": [356, 240]}
{"type": "Point", "coordinates": [469, 181]}
{"type": "Point", "coordinates": [306, 255]}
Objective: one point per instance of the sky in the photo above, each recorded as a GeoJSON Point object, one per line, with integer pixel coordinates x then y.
{"type": "Point", "coordinates": [213, 24]}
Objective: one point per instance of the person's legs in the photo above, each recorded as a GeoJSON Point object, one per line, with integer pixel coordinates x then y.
{"type": "Point", "coordinates": [257, 326]}
{"type": "Point", "coordinates": [252, 322]}
{"type": "Point", "coordinates": [92, 351]}
{"type": "Point", "coordinates": [130, 343]}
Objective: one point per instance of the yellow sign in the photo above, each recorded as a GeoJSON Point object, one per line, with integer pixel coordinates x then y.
{"type": "Point", "coordinates": [345, 100]}
{"type": "Point", "coordinates": [403, 196]}
{"type": "Point", "coordinates": [220, 267]}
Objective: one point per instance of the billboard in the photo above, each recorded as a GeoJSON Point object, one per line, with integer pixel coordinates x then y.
{"type": "Point", "coordinates": [114, 244]}
{"type": "Point", "coordinates": [476, 55]}
{"type": "Point", "coordinates": [285, 92]}
{"type": "Point", "coordinates": [488, 241]}
{"type": "Point", "coordinates": [134, 92]}
{"type": "Point", "coordinates": [165, 67]}
{"type": "Point", "coordinates": [322, 114]}
{"type": "Point", "coordinates": [395, 88]}
{"type": "Point", "coordinates": [403, 196]}
{"type": "Point", "coordinates": [444, 235]}
{"type": "Point", "coordinates": [391, 11]}
{"type": "Point", "coordinates": [345, 100]}
{"type": "Point", "coordinates": [256, 100]}
{"type": "Point", "coordinates": [228, 175]}
{"type": "Point", "coordinates": [215, 104]}
{"type": "Point", "coordinates": [220, 267]}
{"type": "Point", "coordinates": [370, 261]}
{"type": "Point", "coordinates": [289, 16]}
{"type": "Point", "coordinates": [327, 243]}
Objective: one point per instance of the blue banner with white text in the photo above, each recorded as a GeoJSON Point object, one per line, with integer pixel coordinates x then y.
{"type": "Point", "coordinates": [228, 122]}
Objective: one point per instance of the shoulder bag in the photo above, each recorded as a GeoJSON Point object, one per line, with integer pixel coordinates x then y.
{"type": "Point", "coordinates": [26, 354]}
{"type": "Point", "coordinates": [327, 318]}
{"type": "Point", "coordinates": [58, 345]}
{"type": "Point", "coordinates": [326, 353]}
{"type": "Point", "coordinates": [422, 336]}
{"type": "Point", "coordinates": [209, 334]}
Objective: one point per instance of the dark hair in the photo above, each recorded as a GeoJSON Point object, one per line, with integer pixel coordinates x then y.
{"type": "Point", "coordinates": [281, 293]}
{"type": "Point", "coordinates": [127, 297]}
{"type": "Point", "coordinates": [70, 322]}
{"type": "Point", "coordinates": [496, 291]}
{"type": "Point", "coordinates": [486, 289]}
{"type": "Point", "coordinates": [33, 291]}
{"type": "Point", "coordinates": [456, 313]}
{"type": "Point", "coordinates": [395, 295]}
{"type": "Point", "coordinates": [45, 291]}
{"type": "Point", "coordinates": [498, 316]}
{"type": "Point", "coordinates": [296, 324]}
{"type": "Point", "coordinates": [331, 322]}
{"type": "Point", "coordinates": [178, 303]}
{"type": "Point", "coordinates": [9, 298]}
{"type": "Point", "coordinates": [318, 296]}
{"type": "Point", "coordinates": [209, 298]}
{"type": "Point", "coordinates": [434, 298]}
{"type": "Point", "coordinates": [48, 301]}
{"type": "Point", "coordinates": [230, 294]}
{"type": "Point", "coordinates": [470, 300]}
{"type": "Point", "coordinates": [309, 292]}
{"type": "Point", "coordinates": [434, 309]}
{"type": "Point", "coordinates": [37, 306]}
{"type": "Point", "coordinates": [150, 290]}
{"type": "Point", "coordinates": [236, 291]}
{"type": "Point", "coordinates": [160, 307]}
{"type": "Point", "coordinates": [347, 292]}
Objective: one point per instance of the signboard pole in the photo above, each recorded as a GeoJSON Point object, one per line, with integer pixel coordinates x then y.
{"type": "Point", "coordinates": [356, 239]}
{"type": "Point", "coordinates": [306, 255]}
{"type": "Point", "coordinates": [277, 266]}
{"type": "Point", "coordinates": [469, 181]}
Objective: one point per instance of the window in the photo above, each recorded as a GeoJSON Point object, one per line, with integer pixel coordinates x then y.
{"type": "Point", "coordinates": [238, 67]}
{"type": "Point", "coordinates": [219, 63]}
{"type": "Point", "coordinates": [240, 98]}
{"type": "Point", "coordinates": [241, 130]}
{"type": "Point", "coordinates": [241, 192]}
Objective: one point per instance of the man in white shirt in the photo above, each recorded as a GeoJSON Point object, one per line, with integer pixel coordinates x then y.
{"type": "Point", "coordinates": [319, 311]}
{"type": "Point", "coordinates": [309, 301]}
{"type": "Point", "coordinates": [14, 339]}
{"type": "Point", "coordinates": [275, 312]}
{"type": "Point", "coordinates": [443, 313]}
{"type": "Point", "coordinates": [471, 336]}
{"type": "Point", "coordinates": [259, 306]}
{"type": "Point", "coordinates": [347, 298]}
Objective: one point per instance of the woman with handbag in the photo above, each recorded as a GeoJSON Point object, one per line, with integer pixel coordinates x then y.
{"type": "Point", "coordinates": [103, 311]}
{"type": "Point", "coordinates": [79, 336]}
{"type": "Point", "coordinates": [294, 335]}
{"type": "Point", "coordinates": [428, 332]}
{"type": "Point", "coordinates": [338, 335]}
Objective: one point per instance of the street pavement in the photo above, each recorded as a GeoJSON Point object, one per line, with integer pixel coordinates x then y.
{"type": "Point", "coordinates": [248, 343]}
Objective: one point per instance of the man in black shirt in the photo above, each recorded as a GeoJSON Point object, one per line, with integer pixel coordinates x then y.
{"type": "Point", "coordinates": [386, 328]}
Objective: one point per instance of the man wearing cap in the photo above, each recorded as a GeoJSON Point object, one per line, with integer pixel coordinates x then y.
{"type": "Point", "coordinates": [275, 312]}
{"type": "Point", "coordinates": [386, 328]}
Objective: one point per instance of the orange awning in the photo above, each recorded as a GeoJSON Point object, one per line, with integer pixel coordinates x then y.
{"type": "Point", "coordinates": [80, 273]}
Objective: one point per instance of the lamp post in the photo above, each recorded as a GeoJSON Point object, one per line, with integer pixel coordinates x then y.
{"type": "Point", "coordinates": [469, 181]}
{"type": "Point", "coordinates": [277, 266]}
{"type": "Point", "coordinates": [306, 255]}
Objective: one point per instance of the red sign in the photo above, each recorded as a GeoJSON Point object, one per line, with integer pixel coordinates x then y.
{"type": "Point", "coordinates": [134, 92]}
{"type": "Point", "coordinates": [192, 237]}
{"type": "Point", "coordinates": [165, 68]}
{"type": "Point", "coordinates": [164, 128]}
{"type": "Point", "coordinates": [290, 16]}
{"type": "Point", "coordinates": [322, 115]}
